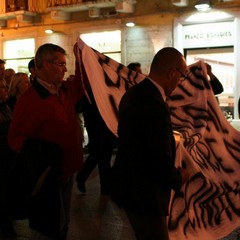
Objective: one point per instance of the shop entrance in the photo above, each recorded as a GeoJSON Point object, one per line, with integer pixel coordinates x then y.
{"type": "Point", "coordinates": [222, 62]}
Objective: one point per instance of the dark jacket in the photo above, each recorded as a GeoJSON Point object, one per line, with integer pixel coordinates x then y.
{"type": "Point", "coordinates": [6, 154]}
{"type": "Point", "coordinates": [143, 173]}
{"type": "Point", "coordinates": [43, 207]}
{"type": "Point", "coordinates": [49, 117]}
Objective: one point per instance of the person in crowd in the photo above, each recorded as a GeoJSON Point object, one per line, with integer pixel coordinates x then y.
{"type": "Point", "coordinates": [9, 72]}
{"type": "Point", "coordinates": [19, 84]}
{"type": "Point", "coordinates": [49, 140]}
{"type": "Point", "coordinates": [143, 173]}
{"type": "Point", "coordinates": [6, 160]}
{"type": "Point", "coordinates": [135, 66]}
{"type": "Point", "coordinates": [101, 143]}
{"type": "Point", "coordinates": [216, 85]}
{"type": "Point", "coordinates": [2, 69]}
{"type": "Point", "coordinates": [31, 69]}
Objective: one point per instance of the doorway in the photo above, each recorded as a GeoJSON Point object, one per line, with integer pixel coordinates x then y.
{"type": "Point", "coordinates": [222, 63]}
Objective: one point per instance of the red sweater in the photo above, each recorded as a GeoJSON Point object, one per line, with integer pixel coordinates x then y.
{"type": "Point", "coordinates": [40, 114]}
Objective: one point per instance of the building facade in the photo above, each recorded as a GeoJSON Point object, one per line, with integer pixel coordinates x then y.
{"type": "Point", "coordinates": [212, 36]}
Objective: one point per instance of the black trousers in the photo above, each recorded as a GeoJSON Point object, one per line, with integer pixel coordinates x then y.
{"type": "Point", "coordinates": [101, 145]}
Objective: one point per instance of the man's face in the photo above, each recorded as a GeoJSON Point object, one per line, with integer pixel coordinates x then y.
{"type": "Point", "coordinates": [177, 75]}
{"type": "Point", "coordinates": [138, 69]}
{"type": "Point", "coordinates": [56, 68]}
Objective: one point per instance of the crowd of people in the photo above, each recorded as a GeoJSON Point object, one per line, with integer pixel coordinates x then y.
{"type": "Point", "coordinates": [40, 134]}
{"type": "Point", "coordinates": [12, 86]}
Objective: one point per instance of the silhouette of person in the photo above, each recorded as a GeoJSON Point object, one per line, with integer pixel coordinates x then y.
{"type": "Point", "coordinates": [101, 145]}
{"type": "Point", "coordinates": [135, 66]}
{"type": "Point", "coordinates": [143, 173]}
{"type": "Point", "coordinates": [44, 130]}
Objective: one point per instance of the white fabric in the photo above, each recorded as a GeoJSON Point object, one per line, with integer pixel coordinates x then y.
{"type": "Point", "coordinates": [109, 80]}
{"type": "Point", "coordinates": [208, 205]}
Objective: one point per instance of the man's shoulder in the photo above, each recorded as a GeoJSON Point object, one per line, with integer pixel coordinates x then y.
{"type": "Point", "coordinates": [29, 100]}
{"type": "Point", "coordinates": [145, 87]}
{"type": "Point", "coordinates": [145, 83]}
{"type": "Point", "coordinates": [139, 93]}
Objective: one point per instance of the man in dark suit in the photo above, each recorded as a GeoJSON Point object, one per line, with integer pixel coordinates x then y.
{"type": "Point", "coordinates": [101, 145]}
{"type": "Point", "coordinates": [144, 173]}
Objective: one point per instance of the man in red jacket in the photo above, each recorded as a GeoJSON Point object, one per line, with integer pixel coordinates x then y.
{"type": "Point", "coordinates": [45, 123]}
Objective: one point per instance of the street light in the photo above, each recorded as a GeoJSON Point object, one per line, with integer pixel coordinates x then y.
{"type": "Point", "coordinates": [202, 5]}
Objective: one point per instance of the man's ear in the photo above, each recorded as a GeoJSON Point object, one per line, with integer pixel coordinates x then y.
{"type": "Point", "coordinates": [46, 64]}
{"type": "Point", "coordinates": [172, 73]}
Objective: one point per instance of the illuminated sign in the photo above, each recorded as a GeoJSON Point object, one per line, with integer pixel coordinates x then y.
{"type": "Point", "coordinates": [208, 35]}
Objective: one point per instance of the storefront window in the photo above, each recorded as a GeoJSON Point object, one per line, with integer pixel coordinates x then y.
{"type": "Point", "coordinates": [108, 43]}
{"type": "Point", "coordinates": [18, 53]}
{"type": "Point", "coordinates": [222, 63]}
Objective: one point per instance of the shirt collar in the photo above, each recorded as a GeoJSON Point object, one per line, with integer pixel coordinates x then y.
{"type": "Point", "coordinates": [53, 89]}
{"type": "Point", "coordinates": [42, 89]}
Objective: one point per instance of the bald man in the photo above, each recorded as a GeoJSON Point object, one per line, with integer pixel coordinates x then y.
{"type": "Point", "coordinates": [144, 173]}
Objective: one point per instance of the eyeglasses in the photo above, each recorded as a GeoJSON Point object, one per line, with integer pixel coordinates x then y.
{"type": "Point", "coordinates": [62, 64]}
{"type": "Point", "coordinates": [183, 75]}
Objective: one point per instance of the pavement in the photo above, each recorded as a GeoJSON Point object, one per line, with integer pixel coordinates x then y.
{"type": "Point", "coordinates": [94, 217]}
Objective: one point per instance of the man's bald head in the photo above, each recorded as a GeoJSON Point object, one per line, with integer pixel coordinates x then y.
{"type": "Point", "coordinates": [167, 58]}
{"type": "Point", "coordinates": [166, 67]}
